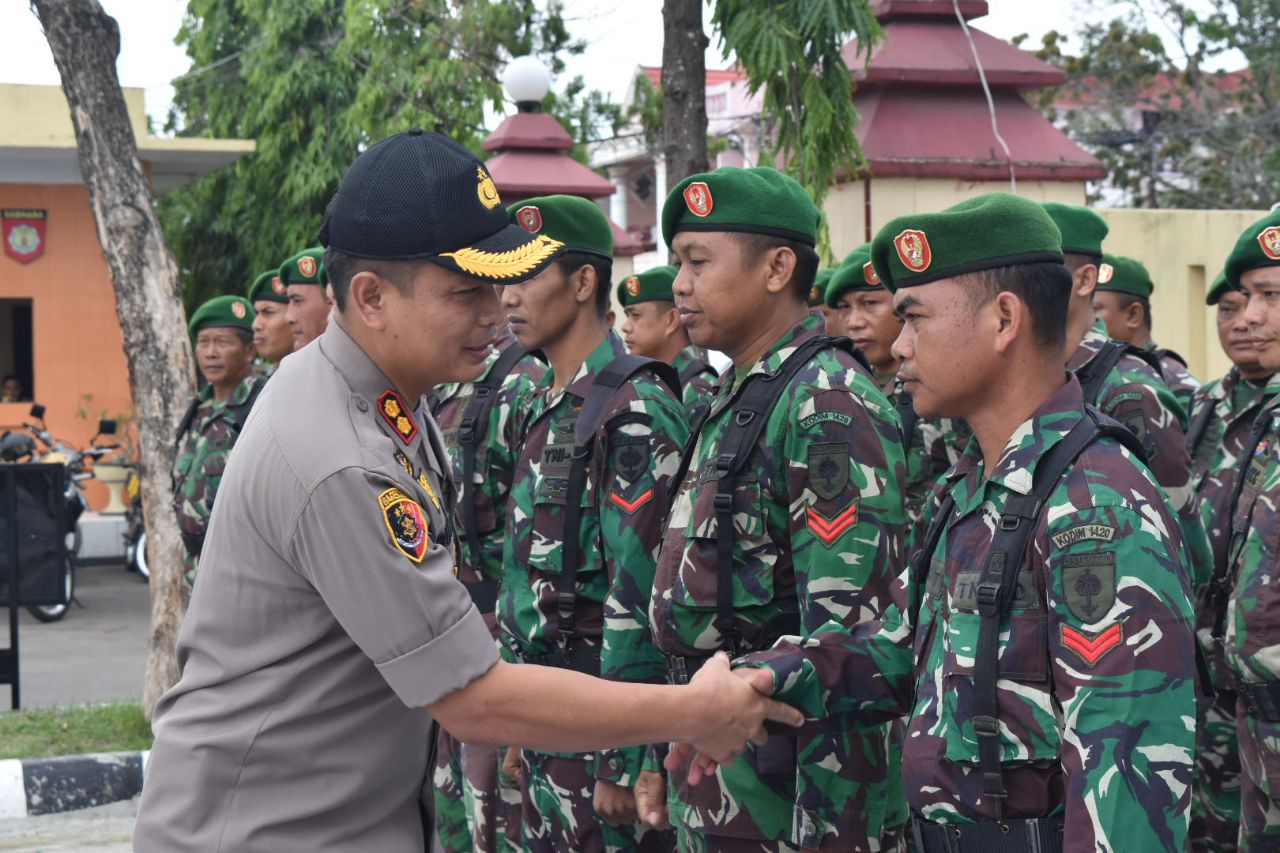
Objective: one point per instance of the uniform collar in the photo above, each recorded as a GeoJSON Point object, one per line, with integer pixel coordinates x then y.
{"type": "Point", "coordinates": [1094, 340]}
{"type": "Point", "coordinates": [609, 349]}
{"type": "Point", "coordinates": [371, 389]}
{"type": "Point", "coordinates": [238, 395]}
{"type": "Point", "coordinates": [771, 362]}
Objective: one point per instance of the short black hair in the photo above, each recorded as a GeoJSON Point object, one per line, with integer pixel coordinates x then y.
{"type": "Point", "coordinates": [340, 268]}
{"type": "Point", "coordinates": [245, 336]}
{"type": "Point", "coordinates": [1074, 260]}
{"type": "Point", "coordinates": [1044, 287]}
{"type": "Point", "coordinates": [1127, 299]}
{"type": "Point", "coordinates": [755, 245]}
{"type": "Point", "coordinates": [570, 262]}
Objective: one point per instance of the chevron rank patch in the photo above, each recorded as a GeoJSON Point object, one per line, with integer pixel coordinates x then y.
{"type": "Point", "coordinates": [406, 522]}
{"type": "Point", "coordinates": [1091, 647]}
{"type": "Point", "coordinates": [828, 530]}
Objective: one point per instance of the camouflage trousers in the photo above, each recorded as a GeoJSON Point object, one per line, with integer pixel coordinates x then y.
{"type": "Point", "coordinates": [1259, 783]}
{"type": "Point", "coordinates": [472, 815]}
{"type": "Point", "coordinates": [1215, 808]}
{"type": "Point", "coordinates": [559, 812]}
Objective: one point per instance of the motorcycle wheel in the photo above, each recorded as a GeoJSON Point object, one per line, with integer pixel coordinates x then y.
{"type": "Point", "coordinates": [55, 612]}
{"type": "Point", "coordinates": [140, 557]}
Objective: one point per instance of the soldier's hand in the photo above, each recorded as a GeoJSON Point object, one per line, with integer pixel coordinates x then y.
{"type": "Point", "coordinates": [614, 803]}
{"type": "Point", "coordinates": [651, 799]}
{"type": "Point", "coordinates": [734, 710]}
{"type": "Point", "coordinates": [511, 767]}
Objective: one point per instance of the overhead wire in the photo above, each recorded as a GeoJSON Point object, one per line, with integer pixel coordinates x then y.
{"type": "Point", "coordinates": [986, 89]}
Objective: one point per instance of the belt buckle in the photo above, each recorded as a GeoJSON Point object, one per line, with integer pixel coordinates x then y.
{"type": "Point", "coordinates": [678, 669]}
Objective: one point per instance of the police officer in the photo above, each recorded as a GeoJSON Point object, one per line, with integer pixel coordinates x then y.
{"type": "Point", "coordinates": [481, 422]}
{"type": "Point", "coordinates": [328, 615]}
{"type": "Point", "coordinates": [1122, 301]}
{"type": "Point", "coordinates": [305, 285]}
{"type": "Point", "coordinates": [272, 334]}
{"type": "Point", "coordinates": [592, 485]}
{"type": "Point", "coordinates": [223, 332]}
{"type": "Point", "coordinates": [1218, 439]}
{"type": "Point", "coordinates": [791, 529]}
{"type": "Point", "coordinates": [1250, 623]}
{"type": "Point", "coordinates": [1052, 697]}
{"type": "Point", "coordinates": [651, 328]}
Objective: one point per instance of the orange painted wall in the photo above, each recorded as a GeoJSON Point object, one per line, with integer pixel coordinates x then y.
{"type": "Point", "coordinates": [78, 347]}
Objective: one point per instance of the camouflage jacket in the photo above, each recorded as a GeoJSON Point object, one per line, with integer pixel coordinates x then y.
{"type": "Point", "coordinates": [1176, 375]}
{"type": "Point", "coordinates": [1137, 397]}
{"type": "Point", "coordinates": [203, 449]}
{"type": "Point", "coordinates": [930, 453]}
{"type": "Point", "coordinates": [1096, 698]}
{"type": "Point", "coordinates": [495, 459]}
{"type": "Point", "coordinates": [698, 390]}
{"type": "Point", "coordinates": [818, 530]}
{"type": "Point", "coordinates": [629, 485]}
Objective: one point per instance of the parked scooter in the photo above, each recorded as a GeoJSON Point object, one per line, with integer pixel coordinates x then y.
{"type": "Point", "coordinates": [135, 531]}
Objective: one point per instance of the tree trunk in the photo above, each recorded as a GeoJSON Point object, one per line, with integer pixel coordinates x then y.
{"type": "Point", "coordinates": [684, 89]}
{"type": "Point", "coordinates": [85, 42]}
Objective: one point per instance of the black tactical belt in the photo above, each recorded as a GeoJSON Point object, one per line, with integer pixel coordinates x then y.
{"type": "Point", "coordinates": [1261, 699]}
{"type": "Point", "coordinates": [578, 655]}
{"type": "Point", "coordinates": [1038, 835]}
{"type": "Point", "coordinates": [484, 595]}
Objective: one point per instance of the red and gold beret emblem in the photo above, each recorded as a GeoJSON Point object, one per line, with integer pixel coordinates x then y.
{"type": "Point", "coordinates": [237, 309]}
{"type": "Point", "coordinates": [698, 197]}
{"type": "Point", "coordinates": [529, 218]}
{"type": "Point", "coordinates": [277, 285]}
{"type": "Point", "coordinates": [1105, 273]}
{"type": "Point", "coordinates": [632, 285]}
{"type": "Point", "coordinates": [869, 273]}
{"type": "Point", "coordinates": [913, 250]}
{"type": "Point", "coordinates": [1269, 240]}
{"type": "Point", "coordinates": [307, 266]}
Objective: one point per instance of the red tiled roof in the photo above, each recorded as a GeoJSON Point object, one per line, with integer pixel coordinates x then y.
{"type": "Point", "coordinates": [936, 52]}
{"type": "Point", "coordinates": [714, 76]}
{"type": "Point", "coordinates": [521, 174]}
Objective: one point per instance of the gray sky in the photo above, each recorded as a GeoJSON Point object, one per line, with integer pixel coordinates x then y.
{"type": "Point", "coordinates": [621, 35]}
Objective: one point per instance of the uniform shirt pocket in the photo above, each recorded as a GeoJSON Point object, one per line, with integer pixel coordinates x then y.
{"type": "Point", "coordinates": [753, 553]}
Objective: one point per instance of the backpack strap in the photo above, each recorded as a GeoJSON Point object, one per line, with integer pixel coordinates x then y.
{"type": "Point", "coordinates": [997, 582]}
{"type": "Point", "coordinates": [920, 561]}
{"type": "Point", "coordinates": [1094, 373]}
{"type": "Point", "coordinates": [473, 431]}
{"type": "Point", "coordinates": [1163, 353]}
{"type": "Point", "coordinates": [1150, 356]}
{"type": "Point", "coordinates": [907, 412]}
{"type": "Point", "coordinates": [692, 370]}
{"type": "Point", "coordinates": [590, 419]}
{"type": "Point", "coordinates": [189, 418]}
{"type": "Point", "coordinates": [1199, 426]}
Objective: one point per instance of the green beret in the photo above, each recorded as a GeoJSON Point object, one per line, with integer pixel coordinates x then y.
{"type": "Point", "coordinates": [1082, 230]}
{"type": "Point", "coordinates": [754, 201]}
{"type": "Point", "coordinates": [577, 222]}
{"type": "Point", "coordinates": [1124, 275]}
{"type": "Point", "coordinates": [233, 312]}
{"type": "Point", "coordinates": [306, 267]}
{"type": "Point", "coordinates": [989, 231]}
{"type": "Point", "coordinates": [856, 272]}
{"type": "Point", "coordinates": [1258, 246]}
{"type": "Point", "coordinates": [652, 285]}
{"type": "Point", "coordinates": [817, 293]}
{"type": "Point", "coordinates": [269, 287]}
{"type": "Point", "coordinates": [1218, 289]}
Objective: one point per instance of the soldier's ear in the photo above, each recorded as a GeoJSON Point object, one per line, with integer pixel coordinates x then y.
{"type": "Point", "coordinates": [1084, 280]}
{"type": "Point", "coordinates": [780, 267]}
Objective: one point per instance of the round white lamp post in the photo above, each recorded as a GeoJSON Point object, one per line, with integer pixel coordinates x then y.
{"type": "Point", "coordinates": [527, 81]}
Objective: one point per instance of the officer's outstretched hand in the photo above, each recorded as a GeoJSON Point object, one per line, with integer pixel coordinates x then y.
{"type": "Point", "coordinates": [736, 706]}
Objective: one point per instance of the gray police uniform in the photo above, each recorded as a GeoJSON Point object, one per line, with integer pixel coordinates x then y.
{"type": "Point", "coordinates": [326, 617]}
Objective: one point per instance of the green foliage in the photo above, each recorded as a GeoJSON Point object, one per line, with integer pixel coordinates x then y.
{"type": "Point", "coordinates": [49, 732]}
{"type": "Point", "coordinates": [314, 82]}
{"type": "Point", "coordinates": [792, 51]}
{"type": "Point", "coordinates": [589, 116]}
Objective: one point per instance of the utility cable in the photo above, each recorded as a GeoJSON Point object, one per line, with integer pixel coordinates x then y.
{"type": "Point", "coordinates": [991, 104]}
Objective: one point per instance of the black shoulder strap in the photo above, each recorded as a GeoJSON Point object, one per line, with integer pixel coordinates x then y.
{"type": "Point", "coordinates": [240, 414]}
{"type": "Point", "coordinates": [1168, 353]}
{"type": "Point", "coordinates": [1094, 373]}
{"type": "Point", "coordinates": [188, 418]}
{"type": "Point", "coordinates": [907, 412]}
{"type": "Point", "coordinates": [919, 562]}
{"type": "Point", "coordinates": [1199, 425]}
{"type": "Point", "coordinates": [997, 581]}
{"type": "Point", "coordinates": [473, 430]}
{"type": "Point", "coordinates": [1150, 356]}
{"type": "Point", "coordinates": [692, 370]}
{"type": "Point", "coordinates": [590, 419]}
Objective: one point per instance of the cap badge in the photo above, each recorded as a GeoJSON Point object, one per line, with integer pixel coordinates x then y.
{"type": "Point", "coordinates": [815, 295]}
{"type": "Point", "coordinates": [277, 285]}
{"type": "Point", "coordinates": [396, 413]}
{"type": "Point", "coordinates": [529, 218]}
{"type": "Point", "coordinates": [1269, 240]}
{"type": "Point", "coordinates": [1106, 272]}
{"type": "Point", "coordinates": [632, 285]}
{"type": "Point", "coordinates": [869, 273]}
{"type": "Point", "coordinates": [406, 522]}
{"type": "Point", "coordinates": [237, 308]}
{"type": "Point", "coordinates": [486, 190]}
{"type": "Point", "coordinates": [307, 266]}
{"type": "Point", "coordinates": [913, 250]}
{"type": "Point", "coordinates": [698, 196]}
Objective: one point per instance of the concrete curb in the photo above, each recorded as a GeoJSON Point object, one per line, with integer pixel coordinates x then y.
{"type": "Point", "coordinates": [39, 786]}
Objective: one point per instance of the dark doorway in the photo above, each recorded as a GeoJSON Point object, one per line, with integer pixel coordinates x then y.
{"type": "Point", "coordinates": [16, 346]}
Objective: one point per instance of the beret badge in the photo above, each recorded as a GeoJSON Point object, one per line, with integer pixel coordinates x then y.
{"type": "Point", "coordinates": [913, 250]}
{"type": "Point", "coordinates": [1269, 240]}
{"type": "Point", "coordinates": [698, 197]}
{"type": "Point", "coordinates": [529, 218]}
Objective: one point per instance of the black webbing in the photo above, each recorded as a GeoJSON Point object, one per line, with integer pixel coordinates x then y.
{"type": "Point", "coordinates": [692, 370]}
{"type": "Point", "coordinates": [1161, 353]}
{"type": "Point", "coordinates": [1199, 426]}
{"type": "Point", "coordinates": [1094, 373]}
{"type": "Point", "coordinates": [590, 419]}
{"type": "Point", "coordinates": [907, 412]}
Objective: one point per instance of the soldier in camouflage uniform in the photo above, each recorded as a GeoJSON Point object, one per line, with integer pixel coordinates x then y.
{"type": "Point", "coordinates": [1133, 391]}
{"type": "Point", "coordinates": [473, 812]}
{"type": "Point", "coordinates": [272, 335]}
{"type": "Point", "coordinates": [816, 511]}
{"type": "Point", "coordinates": [306, 287]}
{"type": "Point", "coordinates": [1068, 721]}
{"type": "Point", "coordinates": [833, 323]}
{"type": "Point", "coordinates": [1251, 614]}
{"type": "Point", "coordinates": [1221, 418]}
{"type": "Point", "coordinates": [223, 332]}
{"type": "Point", "coordinates": [584, 802]}
{"type": "Point", "coordinates": [1122, 301]}
{"type": "Point", "coordinates": [651, 327]}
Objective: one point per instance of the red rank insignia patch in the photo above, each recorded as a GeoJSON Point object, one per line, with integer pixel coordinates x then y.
{"type": "Point", "coordinates": [698, 197]}
{"type": "Point", "coordinates": [913, 250]}
{"type": "Point", "coordinates": [830, 529]}
{"type": "Point", "coordinates": [406, 522]}
{"type": "Point", "coordinates": [24, 232]}
{"type": "Point", "coordinates": [1269, 240]}
{"type": "Point", "coordinates": [1091, 647]}
{"type": "Point", "coordinates": [393, 409]}
{"type": "Point", "coordinates": [630, 506]}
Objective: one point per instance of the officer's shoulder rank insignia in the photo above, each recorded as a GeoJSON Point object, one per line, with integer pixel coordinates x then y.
{"type": "Point", "coordinates": [394, 411]}
{"type": "Point", "coordinates": [1269, 240]}
{"type": "Point", "coordinates": [698, 197]}
{"type": "Point", "coordinates": [406, 522]}
{"type": "Point", "coordinates": [1089, 584]}
{"type": "Point", "coordinates": [913, 250]}
{"type": "Point", "coordinates": [828, 469]}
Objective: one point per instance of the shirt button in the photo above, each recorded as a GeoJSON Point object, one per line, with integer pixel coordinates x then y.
{"type": "Point", "coordinates": [362, 404]}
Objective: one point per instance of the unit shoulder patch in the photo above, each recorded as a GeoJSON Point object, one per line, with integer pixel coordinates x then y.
{"type": "Point", "coordinates": [828, 469]}
{"type": "Point", "coordinates": [826, 417]}
{"type": "Point", "coordinates": [629, 456]}
{"type": "Point", "coordinates": [1082, 533]}
{"type": "Point", "coordinates": [1089, 584]}
{"type": "Point", "coordinates": [406, 522]}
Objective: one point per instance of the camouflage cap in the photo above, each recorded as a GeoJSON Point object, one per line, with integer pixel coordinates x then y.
{"type": "Point", "coordinates": [233, 312]}
{"type": "Point", "coordinates": [652, 285]}
{"type": "Point", "coordinates": [1124, 275]}
{"type": "Point", "coordinates": [856, 272]}
{"type": "Point", "coordinates": [1218, 289]}
{"type": "Point", "coordinates": [268, 286]}
{"type": "Point", "coordinates": [1082, 230]}
{"type": "Point", "coordinates": [306, 267]}
{"type": "Point", "coordinates": [818, 293]}
{"type": "Point", "coordinates": [1258, 246]}
{"type": "Point", "coordinates": [754, 201]}
{"type": "Point", "coordinates": [576, 222]}
{"type": "Point", "coordinates": [991, 230]}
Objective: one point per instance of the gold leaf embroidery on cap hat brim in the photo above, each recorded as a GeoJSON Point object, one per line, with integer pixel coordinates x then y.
{"type": "Point", "coordinates": [505, 264]}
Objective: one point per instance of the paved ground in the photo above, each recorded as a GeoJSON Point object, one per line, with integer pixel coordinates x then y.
{"type": "Point", "coordinates": [106, 829]}
{"type": "Point", "coordinates": [97, 653]}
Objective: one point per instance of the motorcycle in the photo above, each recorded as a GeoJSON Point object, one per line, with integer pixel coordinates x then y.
{"type": "Point", "coordinates": [18, 447]}
{"type": "Point", "coordinates": [135, 532]}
